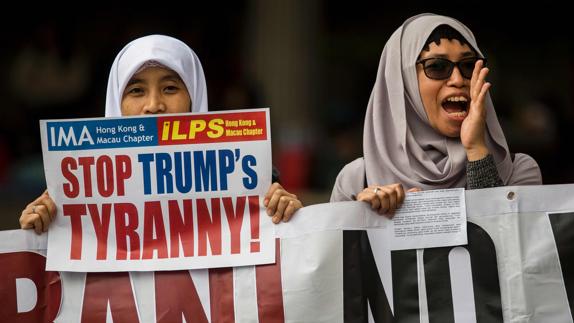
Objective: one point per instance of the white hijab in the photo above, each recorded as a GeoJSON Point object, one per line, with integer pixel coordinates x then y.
{"type": "Point", "coordinates": [400, 145]}
{"type": "Point", "coordinates": [167, 51]}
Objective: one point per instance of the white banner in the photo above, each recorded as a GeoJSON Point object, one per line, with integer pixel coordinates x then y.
{"type": "Point", "coordinates": [159, 192]}
{"type": "Point", "coordinates": [332, 266]}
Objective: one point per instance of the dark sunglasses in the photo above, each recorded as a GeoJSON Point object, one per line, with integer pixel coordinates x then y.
{"type": "Point", "coordinates": [437, 68]}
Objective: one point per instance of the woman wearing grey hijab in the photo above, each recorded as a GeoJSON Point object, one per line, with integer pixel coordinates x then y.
{"type": "Point", "coordinates": [430, 122]}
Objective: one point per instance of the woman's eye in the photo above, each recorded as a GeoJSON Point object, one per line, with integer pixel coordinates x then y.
{"type": "Point", "coordinates": [468, 65]}
{"type": "Point", "coordinates": [436, 65]}
{"type": "Point", "coordinates": [171, 89]}
{"type": "Point", "coordinates": [135, 91]}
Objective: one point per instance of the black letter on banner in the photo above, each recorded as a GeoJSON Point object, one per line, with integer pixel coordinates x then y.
{"type": "Point", "coordinates": [563, 229]}
{"type": "Point", "coordinates": [361, 282]}
{"type": "Point", "coordinates": [485, 281]}
{"type": "Point", "coordinates": [354, 299]}
{"type": "Point", "coordinates": [405, 287]}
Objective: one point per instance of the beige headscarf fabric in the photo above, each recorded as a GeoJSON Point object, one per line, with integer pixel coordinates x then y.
{"type": "Point", "coordinates": [400, 145]}
{"type": "Point", "coordinates": [167, 51]}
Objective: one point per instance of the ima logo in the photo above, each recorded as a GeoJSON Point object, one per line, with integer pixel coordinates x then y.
{"type": "Point", "coordinates": [66, 136]}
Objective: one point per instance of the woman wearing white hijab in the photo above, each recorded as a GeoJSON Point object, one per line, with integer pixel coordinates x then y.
{"type": "Point", "coordinates": [430, 122]}
{"type": "Point", "coordinates": [155, 52]}
{"type": "Point", "coordinates": [152, 75]}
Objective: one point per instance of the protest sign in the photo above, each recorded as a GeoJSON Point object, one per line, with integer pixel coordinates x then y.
{"type": "Point", "coordinates": [159, 192]}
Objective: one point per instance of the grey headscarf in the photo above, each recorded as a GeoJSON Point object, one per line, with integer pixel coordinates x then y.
{"type": "Point", "coordinates": [399, 144]}
{"type": "Point", "coordinates": [164, 51]}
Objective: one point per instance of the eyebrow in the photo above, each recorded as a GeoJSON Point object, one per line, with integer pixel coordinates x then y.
{"type": "Point", "coordinates": [169, 77]}
{"type": "Point", "coordinates": [134, 81]}
{"type": "Point", "coordinates": [463, 55]}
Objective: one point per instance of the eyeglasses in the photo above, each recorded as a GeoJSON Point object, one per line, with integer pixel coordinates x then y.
{"type": "Point", "coordinates": [437, 68]}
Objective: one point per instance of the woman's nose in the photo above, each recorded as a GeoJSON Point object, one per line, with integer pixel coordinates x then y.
{"type": "Point", "coordinates": [155, 104]}
{"type": "Point", "coordinates": [455, 78]}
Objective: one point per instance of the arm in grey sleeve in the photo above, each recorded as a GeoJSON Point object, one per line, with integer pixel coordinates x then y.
{"type": "Point", "coordinates": [482, 173]}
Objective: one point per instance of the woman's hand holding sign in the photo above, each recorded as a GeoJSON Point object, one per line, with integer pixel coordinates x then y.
{"type": "Point", "coordinates": [280, 204]}
{"type": "Point", "coordinates": [39, 214]}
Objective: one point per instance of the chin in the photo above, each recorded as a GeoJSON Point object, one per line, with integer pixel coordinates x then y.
{"type": "Point", "coordinates": [451, 133]}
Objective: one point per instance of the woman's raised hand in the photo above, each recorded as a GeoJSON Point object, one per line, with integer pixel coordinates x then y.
{"type": "Point", "coordinates": [472, 132]}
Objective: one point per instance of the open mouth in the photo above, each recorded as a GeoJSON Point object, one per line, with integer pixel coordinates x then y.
{"type": "Point", "coordinates": [456, 106]}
